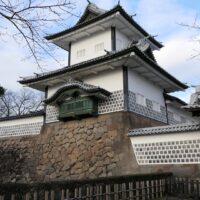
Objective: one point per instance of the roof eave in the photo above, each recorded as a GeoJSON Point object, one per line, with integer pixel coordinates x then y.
{"type": "Point", "coordinates": [100, 17]}
{"type": "Point", "coordinates": [177, 84]}
{"type": "Point", "coordinates": [173, 98]}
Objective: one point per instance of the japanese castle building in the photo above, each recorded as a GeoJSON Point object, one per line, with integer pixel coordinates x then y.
{"type": "Point", "coordinates": [112, 66]}
{"type": "Point", "coordinates": [112, 86]}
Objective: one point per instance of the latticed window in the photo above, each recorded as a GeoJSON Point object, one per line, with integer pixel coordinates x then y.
{"type": "Point", "coordinates": [140, 99]}
{"type": "Point", "coordinates": [81, 53]}
{"type": "Point", "coordinates": [99, 47]}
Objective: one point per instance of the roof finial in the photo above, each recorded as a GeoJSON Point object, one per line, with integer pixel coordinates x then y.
{"type": "Point", "coordinates": [133, 15]}
{"type": "Point", "coordinates": [89, 2]}
{"type": "Point", "coordinates": [118, 2]}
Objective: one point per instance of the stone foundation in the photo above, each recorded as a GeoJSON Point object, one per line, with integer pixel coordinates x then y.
{"type": "Point", "coordinates": [78, 149]}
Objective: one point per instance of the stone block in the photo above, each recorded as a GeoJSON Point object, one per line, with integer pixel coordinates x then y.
{"type": "Point", "coordinates": [98, 133]}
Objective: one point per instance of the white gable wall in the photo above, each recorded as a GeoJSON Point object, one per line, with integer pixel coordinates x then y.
{"type": "Point", "coordinates": [53, 89]}
{"type": "Point", "coordinates": [138, 84]}
{"type": "Point", "coordinates": [91, 47]}
{"type": "Point", "coordinates": [111, 81]}
{"type": "Point", "coordinates": [122, 41]}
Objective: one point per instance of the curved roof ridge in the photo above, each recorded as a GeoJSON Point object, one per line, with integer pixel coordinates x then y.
{"type": "Point", "coordinates": [93, 8]}
{"type": "Point", "coordinates": [78, 85]}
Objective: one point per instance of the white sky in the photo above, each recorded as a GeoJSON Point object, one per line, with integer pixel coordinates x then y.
{"type": "Point", "coordinates": [158, 17]}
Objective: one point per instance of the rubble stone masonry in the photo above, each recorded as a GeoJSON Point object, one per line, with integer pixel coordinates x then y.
{"type": "Point", "coordinates": [78, 149]}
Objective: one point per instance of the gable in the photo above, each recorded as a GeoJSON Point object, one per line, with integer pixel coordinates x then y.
{"type": "Point", "coordinates": [87, 16]}
{"type": "Point", "coordinates": [90, 12]}
{"type": "Point", "coordinates": [150, 54]}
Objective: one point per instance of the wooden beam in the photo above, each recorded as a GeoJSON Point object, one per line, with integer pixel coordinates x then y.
{"type": "Point", "coordinates": [113, 38]}
{"type": "Point", "coordinates": [125, 87]}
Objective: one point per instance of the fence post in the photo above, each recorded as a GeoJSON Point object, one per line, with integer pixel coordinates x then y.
{"type": "Point", "coordinates": [46, 195]}
{"type": "Point", "coordinates": [12, 197]}
{"type": "Point", "coordinates": [137, 187]}
{"type": "Point", "coordinates": [27, 196]}
{"type": "Point", "coordinates": [198, 194]}
{"type": "Point", "coordinates": [130, 190]}
{"type": "Point", "coordinates": [116, 192]}
{"type": "Point", "coordinates": [35, 196]}
{"type": "Point", "coordinates": [52, 195]}
{"type": "Point", "coordinates": [107, 192]}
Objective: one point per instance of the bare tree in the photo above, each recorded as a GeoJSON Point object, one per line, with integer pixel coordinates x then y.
{"type": "Point", "coordinates": [2, 91]}
{"type": "Point", "coordinates": [194, 26]}
{"type": "Point", "coordinates": [6, 104]}
{"type": "Point", "coordinates": [30, 19]}
{"type": "Point", "coordinates": [20, 103]}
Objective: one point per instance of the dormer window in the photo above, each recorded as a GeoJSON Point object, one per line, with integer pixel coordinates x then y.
{"type": "Point", "coordinates": [81, 53]}
{"type": "Point", "coordinates": [140, 99]}
{"type": "Point", "coordinates": [99, 47]}
{"type": "Point", "coordinates": [76, 99]}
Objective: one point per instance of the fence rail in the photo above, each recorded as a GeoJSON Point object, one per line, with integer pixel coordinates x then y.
{"type": "Point", "coordinates": [184, 187]}
{"type": "Point", "coordinates": [140, 187]}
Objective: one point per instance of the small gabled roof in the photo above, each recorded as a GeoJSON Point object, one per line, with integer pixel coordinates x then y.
{"type": "Point", "coordinates": [90, 12]}
{"type": "Point", "coordinates": [192, 108]}
{"type": "Point", "coordinates": [153, 66]}
{"type": "Point", "coordinates": [175, 99]}
{"type": "Point", "coordinates": [164, 129]}
{"type": "Point", "coordinates": [86, 88]}
{"type": "Point", "coordinates": [116, 10]}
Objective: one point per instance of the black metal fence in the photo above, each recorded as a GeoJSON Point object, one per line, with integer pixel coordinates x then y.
{"type": "Point", "coordinates": [136, 187]}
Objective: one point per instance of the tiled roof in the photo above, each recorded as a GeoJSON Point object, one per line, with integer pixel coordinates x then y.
{"type": "Point", "coordinates": [173, 98]}
{"type": "Point", "coordinates": [78, 85]}
{"type": "Point", "coordinates": [164, 129]}
{"type": "Point", "coordinates": [116, 9]}
{"type": "Point", "coordinates": [104, 58]}
{"type": "Point", "coordinates": [91, 8]}
{"type": "Point", "coordinates": [191, 106]}
{"type": "Point", "coordinates": [31, 114]}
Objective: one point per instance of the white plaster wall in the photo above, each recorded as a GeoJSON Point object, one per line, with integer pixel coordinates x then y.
{"type": "Point", "coordinates": [122, 41]}
{"type": "Point", "coordinates": [88, 44]}
{"type": "Point", "coordinates": [111, 81]}
{"type": "Point", "coordinates": [53, 89]}
{"type": "Point", "coordinates": [138, 84]}
{"type": "Point", "coordinates": [14, 122]}
{"type": "Point", "coordinates": [172, 148]}
{"type": "Point", "coordinates": [165, 137]}
{"type": "Point", "coordinates": [182, 113]}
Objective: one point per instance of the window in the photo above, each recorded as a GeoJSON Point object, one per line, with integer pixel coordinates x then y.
{"type": "Point", "coordinates": [156, 106]}
{"type": "Point", "coordinates": [140, 99]}
{"type": "Point", "coordinates": [80, 53]}
{"type": "Point", "coordinates": [99, 47]}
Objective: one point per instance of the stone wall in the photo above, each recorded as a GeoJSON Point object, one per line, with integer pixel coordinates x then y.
{"type": "Point", "coordinates": [87, 148]}
{"type": "Point", "coordinates": [79, 149]}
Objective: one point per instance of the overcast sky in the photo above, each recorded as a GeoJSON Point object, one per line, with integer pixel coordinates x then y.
{"type": "Point", "coordinates": [158, 17]}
